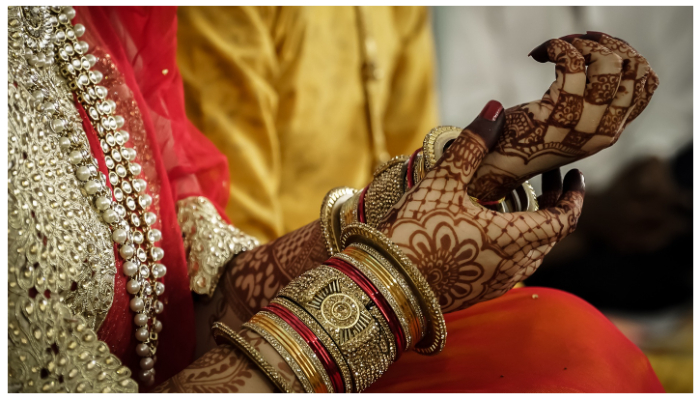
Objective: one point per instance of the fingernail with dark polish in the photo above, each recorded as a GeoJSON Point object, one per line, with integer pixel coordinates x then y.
{"type": "Point", "coordinates": [491, 110]}
{"type": "Point", "coordinates": [551, 181]}
{"type": "Point", "coordinates": [539, 53]}
{"type": "Point", "coordinates": [574, 181]}
{"type": "Point", "coordinates": [489, 124]}
{"type": "Point", "coordinates": [570, 38]}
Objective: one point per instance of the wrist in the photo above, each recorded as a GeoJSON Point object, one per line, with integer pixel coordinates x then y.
{"type": "Point", "coordinates": [338, 327]}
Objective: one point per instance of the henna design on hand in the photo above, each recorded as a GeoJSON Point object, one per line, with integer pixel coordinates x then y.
{"type": "Point", "coordinates": [467, 252]}
{"type": "Point", "coordinates": [583, 112]}
{"type": "Point", "coordinates": [258, 342]}
{"type": "Point", "coordinates": [221, 370]}
{"type": "Point", "coordinates": [255, 276]}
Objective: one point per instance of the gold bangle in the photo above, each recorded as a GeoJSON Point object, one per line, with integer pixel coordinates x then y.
{"type": "Point", "coordinates": [221, 332]}
{"type": "Point", "coordinates": [478, 202]}
{"type": "Point", "coordinates": [434, 340]}
{"type": "Point", "coordinates": [533, 205]}
{"type": "Point", "coordinates": [400, 159]}
{"type": "Point", "coordinates": [385, 190]}
{"type": "Point", "coordinates": [393, 287]}
{"type": "Point", "coordinates": [418, 173]}
{"type": "Point", "coordinates": [435, 142]}
{"type": "Point", "coordinates": [348, 214]}
{"type": "Point", "coordinates": [323, 337]}
{"type": "Point", "coordinates": [330, 221]}
{"type": "Point", "coordinates": [296, 369]}
{"type": "Point", "coordinates": [310, 366]}
{"type": "Point", "coordinates": [349, 317]}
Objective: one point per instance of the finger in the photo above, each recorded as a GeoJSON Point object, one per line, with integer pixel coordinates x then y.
{"type": "Point", "coordinates": [635, 70]}
{"type": "Point", "coordinates": [552, 224]}
{"type": "Point", "coordinates": [551, 188]}
{"type": "Point", "coordinates": [649, 88]}
{"type": "Point", "coordinates": [464, 155]}
{"type": "Point", "coordinates": [603, 78]}
{"type": "Point", "coordinates": [564, 99]}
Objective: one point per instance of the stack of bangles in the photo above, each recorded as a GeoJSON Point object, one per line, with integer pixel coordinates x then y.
{"type": "Point", "coordinates": [341, 325]}
{"type": "Point", "coordinates": [345, 206]}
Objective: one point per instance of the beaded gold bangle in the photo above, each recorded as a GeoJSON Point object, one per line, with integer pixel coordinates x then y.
{"type": "Point", "coordinates": [330, 217]}
{"type": "Point", "coordinates": [222, 332]}
{"type": "Point", "coordinates": [323, 337]}
{"type": "Point", "coordinates": [434, 340]}
{"type": "Point", "coordinates": [392, 285]}
{"type": "Point", "coordinates": [282, 351]}
{"type": "Point", "coordinates": [311, 368]}
{"type": "Point", "coordinates": [349, 317]}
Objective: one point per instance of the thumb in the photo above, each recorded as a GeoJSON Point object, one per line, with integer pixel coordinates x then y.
{"type": "Point", "coordinates": [463, 157]}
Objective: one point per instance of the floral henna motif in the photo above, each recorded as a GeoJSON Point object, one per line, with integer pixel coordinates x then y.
{"type": "Point", "coordinates": [257, 275]}
{"type": "Point", "coordinates": [583, 112]}
{"type": "Point", "coordinates": [469, 253]}
{"type": "Point", "coordinates": [452, 274]}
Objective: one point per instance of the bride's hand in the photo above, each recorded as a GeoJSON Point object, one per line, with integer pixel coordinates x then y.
{"type": "Point", "coordinates": [584, 111]}
{"type": "Point", "coordinates": [467, 252]}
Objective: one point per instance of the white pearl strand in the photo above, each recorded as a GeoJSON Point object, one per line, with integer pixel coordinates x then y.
{"type": "Point", "coordinates": [128, 216]}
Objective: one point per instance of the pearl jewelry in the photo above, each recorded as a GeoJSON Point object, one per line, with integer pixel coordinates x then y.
{"type": "Point", "coordinates": [119, 236]}
{"type": "Point", "coordinates": [140, 319]}
{"type": "Point", "coordinates": [136, 304]}
{"type": "Point", "coordinates": [102, 203]}
{"type": "Point", "coordinates": [130, 269]}
{"type": "Point", "coordinates": [127, 251]}
{"type": "Point", "coordinates": [154, 236]}
{"type": "Point", "coordinates": [157, 326]}
{"type": "Point", "coordinates": [147, 363]}
{"type": "Point", "coordinates": [143, 350]}
{"type": "Point", "coordinates": [142, 334]}
{"type": "Point", "coordinates": [128, 215]}
{"type": "Point", "coordinates": [133, 286]}
{"type": "Point", "coordinates": [159, 271]}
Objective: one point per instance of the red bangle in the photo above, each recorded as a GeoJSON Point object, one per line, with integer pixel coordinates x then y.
{"type": "Point", "coordinates": [409, 172]}
{"type": "Point", "coordinates": [368, 287]}
{"type": "Point", "coordinates": [361, 206]}
{"type": "Point", "coordinates": [313, 342]}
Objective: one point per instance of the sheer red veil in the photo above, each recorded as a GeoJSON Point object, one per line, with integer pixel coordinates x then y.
{"type": "Point", "coordinates": [136, 47]}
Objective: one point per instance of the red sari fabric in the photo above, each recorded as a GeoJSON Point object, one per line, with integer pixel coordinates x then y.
{"type": "Point", "coordinates": [529, 340]}
{"type": "Point", "coordinates": [555, 343]}
{"type": "Point", "coordinates": [137, 48]}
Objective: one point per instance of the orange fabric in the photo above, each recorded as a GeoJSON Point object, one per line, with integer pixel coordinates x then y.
{"type": "Point", "coordinates": [554, 343]}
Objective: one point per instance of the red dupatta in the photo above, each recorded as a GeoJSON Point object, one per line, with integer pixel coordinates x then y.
{"type": "Point", "coordinates": [136, 47]}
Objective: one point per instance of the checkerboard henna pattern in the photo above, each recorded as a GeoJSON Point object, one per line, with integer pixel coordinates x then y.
{"type": "Point", "coordinates": [602, 84]}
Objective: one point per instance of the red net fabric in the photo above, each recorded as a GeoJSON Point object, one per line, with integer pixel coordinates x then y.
{"type": "Point", "coordinates": [136, 47]}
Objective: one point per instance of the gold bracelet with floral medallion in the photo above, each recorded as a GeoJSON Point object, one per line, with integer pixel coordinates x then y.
{"type": "Point", "coordinates": [434, 340]}
{"type": "Point", "coordinates": [351, 319]}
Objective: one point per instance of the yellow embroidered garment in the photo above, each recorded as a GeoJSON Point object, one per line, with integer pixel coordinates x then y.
{"type": "Point", "coordinates": [304, 99]}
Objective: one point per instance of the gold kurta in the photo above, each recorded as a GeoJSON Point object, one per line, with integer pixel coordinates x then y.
{"type": "Point", "coordinates": [304, 99]}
